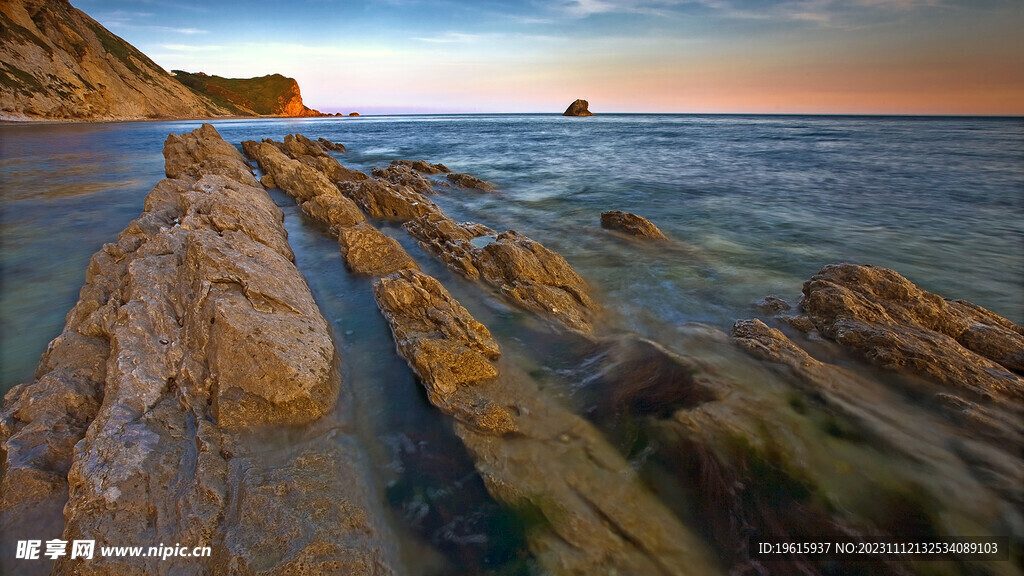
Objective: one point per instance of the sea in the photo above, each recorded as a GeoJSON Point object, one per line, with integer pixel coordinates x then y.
{"type": "Point", "coordinates": [754, 206]}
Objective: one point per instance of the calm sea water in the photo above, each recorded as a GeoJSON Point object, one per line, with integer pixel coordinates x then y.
{"type": "Point", "coordinates": [756, 205]}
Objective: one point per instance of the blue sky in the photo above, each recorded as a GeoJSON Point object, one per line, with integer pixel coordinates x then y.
{"type": "Point", "coordinates": [802, 56]}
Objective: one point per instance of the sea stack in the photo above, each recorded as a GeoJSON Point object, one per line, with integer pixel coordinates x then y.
{"type": "Point", "coordinates": [578, 108]}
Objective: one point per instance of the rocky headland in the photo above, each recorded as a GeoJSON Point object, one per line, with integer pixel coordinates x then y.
{"type": "Point", "coordinates": [195, 395]}
{"type": "Point", "coordinates": [271, 95]}
{"type": "Point", "coordinates": [57, 63]}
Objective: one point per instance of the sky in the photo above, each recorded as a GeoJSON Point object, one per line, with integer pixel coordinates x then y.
{"type": "Point", "coordinates": [681, 56]}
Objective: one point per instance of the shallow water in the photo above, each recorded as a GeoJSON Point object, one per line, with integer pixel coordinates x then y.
{"type": "Point", "coordinates": [755, 206]}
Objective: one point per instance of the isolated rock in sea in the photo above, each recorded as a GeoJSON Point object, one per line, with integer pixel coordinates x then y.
{"type": "Point", "coordinates": [370, 251]}
{"type": "Point", "coordinates": [578, 108]}
{"type": "Point", "coordinates": [472, 182]}
{"type": "Point", "coordinates": [631, 224]}
{"type": "Point", "coordinates": [523, 270]}
{"type": "Point", "coordinates": [194, 339]}
{"type": "Point", "coordinates": [901, 327]}
{"type": "Point", "coordinates": [60, 64]}
{"type": "Point", "coordinates": [353, 114]}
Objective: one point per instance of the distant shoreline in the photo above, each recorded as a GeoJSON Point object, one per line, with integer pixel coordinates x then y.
{"type": "Point", "coordinates": [46, 121]}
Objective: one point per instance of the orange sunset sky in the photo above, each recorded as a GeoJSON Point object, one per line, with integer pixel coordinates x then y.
{"type": "Point", "coordinates": [728, 56]}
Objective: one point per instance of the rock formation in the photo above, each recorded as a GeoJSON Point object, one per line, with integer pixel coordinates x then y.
{"type": "Point", "coordinates": [578, 108]}
{"type": "Point", "coordinates": [58, 63]}
{"type": "Point", "coordinates": [467, 181]}
{"type": "Point", "coordinates": [271, 95]}
{"type": "Point", "coordinates": [589, 513]}
{"type": "Point", "coordinates": [332, 146]}
{"type": "Point", "coordinates": [631, 224]}
{"type": "Point", "coordinates": [522, 269]}
{"type": "Point", "coordinates": [901, 327]}
{"type": "Point", "coordinates": [961, 433]}
{"type": "Point", "coordinates": [153, 414]}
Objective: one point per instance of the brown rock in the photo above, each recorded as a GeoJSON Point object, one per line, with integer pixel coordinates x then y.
{"type": "Point", "coordinates": [191, 157]}
{"type": "Point", "coordinates": [591, 513]}
{"type": "Point", "coordinates": [332, 146]}
{"type": "Point", "coordinates": [384, 200]}
{"type": "Point", "coordinates": [422, 166]}
{"type": "Point", "coordinates": [60, 64]}
{"type": "Point", "coordinates": [578, 108]}
{"type": "Point", "coordinates": [334, 210]}
{"type": "Point", "coordinates": [445, 346]}
{"type": "Point", "coordinates": [194, 331]}
{"type": "Point", "coordinates": [467, 181]}
{"type": "Point", "coordinates": [538, 279]}
{"type": "Point", "coordinates": [522, 269]}
{"type": "Point", "coordinates": [369, 251]}
{"type": "Point", "coordinates": [449, 240]}
{"type": "Point", "coordinates": [404, 175]}
{"type": "Point", "coordinates": [901, 327]}
{"type": "Point", "coordinates": [353, 114]}
{"type": "Point", "coordinates": [304, 183]}
{"type": "Point", "coordinates": [631, 224]}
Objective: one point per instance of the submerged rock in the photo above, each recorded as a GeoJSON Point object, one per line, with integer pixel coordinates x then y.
{"type": "Point", "coordinates": [901, 327]}
{"type": "Point", "coordinates": [578, 108]}
{"type": "Point", "coordinates": [631, 224]}
{"type": "Point", "coordinates": [467, 181]}
{"type": "Point", "coordinates": [194, 335]}
{"type": "Point", "coordinates": [587, 510]}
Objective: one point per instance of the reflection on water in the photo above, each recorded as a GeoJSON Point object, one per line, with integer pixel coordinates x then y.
{"type": "Point", "coordinates": [754, 206]}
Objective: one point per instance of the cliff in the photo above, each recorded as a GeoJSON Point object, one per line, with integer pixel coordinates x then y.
{"type": "Point", "coordinates": [271, 95]}
{"type": "Point", "coordinates": [58, 63]}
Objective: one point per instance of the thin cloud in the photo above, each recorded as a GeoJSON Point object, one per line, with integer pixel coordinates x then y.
{"type": "Point", "coordinates": [190, 48]}
{"type": "Point", "coordinates": [450, 38]}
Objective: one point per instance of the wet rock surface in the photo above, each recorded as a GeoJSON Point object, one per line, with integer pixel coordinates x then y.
{"type": "Point", "coordinates": [522, 269]}
{"type": "Point", "coordinates": [195, 334]}
{"type": "Point", "coordinates": [960, 434]}
{"type": "Point", "coordinates": [472, 182]}
{"type": "Point", "coordinates": [901, 327]}
{"type": "Point", "coordinates": [631, 224]}
{"type": "Point", "coordinates": [589, 513]}
{"type": "Point", "coordinates": [370, 251]}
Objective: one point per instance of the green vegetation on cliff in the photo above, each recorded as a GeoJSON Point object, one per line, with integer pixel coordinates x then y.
{"type": "Point", "coordinates": [266, 95]}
